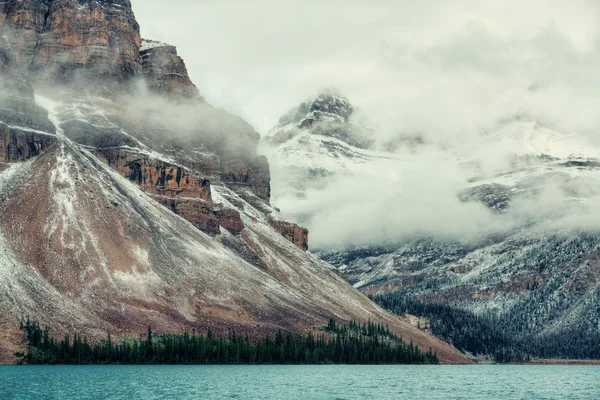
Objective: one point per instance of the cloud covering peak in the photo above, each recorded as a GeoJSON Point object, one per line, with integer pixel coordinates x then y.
{"type": "Point", "coordinates": [445, 68]}
{"type": "Point", "coordinates": [444, 72]}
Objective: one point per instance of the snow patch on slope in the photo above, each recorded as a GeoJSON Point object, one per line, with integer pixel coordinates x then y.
{"type": "Point", "coordinates": [307, 150]}
{"type": "Point", "coordinates": [529, 139]}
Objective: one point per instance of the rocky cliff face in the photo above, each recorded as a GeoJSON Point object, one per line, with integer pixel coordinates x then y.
{"type": "Point", "coordinates": [316, 142]}
{"type": "Point", "coordinates": [200, 213]}
{"type": "Point", "coordinates": [176, 187]}
{"type": "Point", "coordinates": [64, 37]}
{"type": "Point", "coordinates": [165, 71]}
{"type": "Point", "coordinates": [253, 174]}
{"type": "Point", "coordinates": [328, 114]}
{"type": "Point", "coordinates": [292, 232]}
{"type": "Point", "coordinates": [124, 210]}
{"type": "Point", "coordinates": [158, 176]}
{"type": "Point", "coordinates": [21, 145]}
{"type": "Point", "coordinates": [25, 130]}
{"type": "Point", "coordinates": [22, 22]}
{"type": "Point", "coordinates": [48, 40]}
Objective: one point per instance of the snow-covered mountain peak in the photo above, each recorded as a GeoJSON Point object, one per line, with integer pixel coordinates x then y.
{"type": "Point", "coordinates": [530, 138]}
{"type": "Point", "coordinates": [523, 144]}
{"type": "Point", "coordinates": [328, 114]}
{"type": "Point", "coordinates": [326, 105]}
{"type": "Point", "coordinates": [318, 140]}
{"type": "Point", "coordinates": [331, 104]}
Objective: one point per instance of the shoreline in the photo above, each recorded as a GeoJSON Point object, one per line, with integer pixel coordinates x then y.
{"type": "Point", "coordinates": [549, 362]}
{"type": "Point", "coordinates": [558, 361]}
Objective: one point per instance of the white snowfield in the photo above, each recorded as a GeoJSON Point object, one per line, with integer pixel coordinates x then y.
{"type": "Point", "coordinates": [528, 138]}
{"type": "Point", "coordinates": [310, 151]}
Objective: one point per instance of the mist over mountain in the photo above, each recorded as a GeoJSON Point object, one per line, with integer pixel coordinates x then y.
{"type": "Point", "coordinates": [440, 69]}
{"type": "Point", "coordinates": [436, 153]}
{"type": "Point", "coordinates": [443, 75]}
{"type": "Point", "coordinates": [504, 225]}
{"type": "Point", "coordinates": [130, 201]}
{"type": "Point", "coordinates": [475, 184]}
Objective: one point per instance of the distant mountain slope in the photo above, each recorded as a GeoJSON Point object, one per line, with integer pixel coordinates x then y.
{"type": "Point", "coordinates": [533, 260]}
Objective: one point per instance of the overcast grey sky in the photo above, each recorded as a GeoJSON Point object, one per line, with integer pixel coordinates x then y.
{"type": "Point", "coordinates": [446, 70]}
{"type": "Point", "coordinates": [445, 67]}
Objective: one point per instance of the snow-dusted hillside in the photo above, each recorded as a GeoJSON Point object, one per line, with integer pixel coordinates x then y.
{"type": "Point", "coordinates": [531, 249]}
{"type": "Point", "coordinates": [316, 141]}
{"type": "Point", "coordinates": [530, 138]}
{"type": "Point", "coordinates": [84, 245]}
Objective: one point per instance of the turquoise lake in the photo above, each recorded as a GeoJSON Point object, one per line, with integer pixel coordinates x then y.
{"type": "Point", "coordinates": [300, 382]}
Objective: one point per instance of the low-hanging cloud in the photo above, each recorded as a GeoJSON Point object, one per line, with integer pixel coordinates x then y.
{"type": "Point", "coordinates": [443, 68]}
{"type": "Point", "coordinates": [446, 71]}
{"type": "Point", "coordinates": [390, 199]}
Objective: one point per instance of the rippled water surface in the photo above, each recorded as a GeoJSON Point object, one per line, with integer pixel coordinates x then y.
{"type": "Point", "coordinates": [300, 382]}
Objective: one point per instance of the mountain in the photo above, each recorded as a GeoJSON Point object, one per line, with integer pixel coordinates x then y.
{"type": "Point", "coordinates": [519, 245]}
{"type": "Point", "coordinates": [315, 141]}
{"type": "Point", "coordinates": [129, 201]}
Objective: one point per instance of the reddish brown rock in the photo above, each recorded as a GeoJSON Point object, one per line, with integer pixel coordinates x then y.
{"type": "Point", "coordinates": [230, 219]}
{"type": "Point", "coordinates": [156, 176]}
{"type": "Point", "coordinates": [21, 23]}
{"type": "Point", "coordinates": [208, 165]}
{"type": "Point", "coordinates": [166, 72]}
{"type": "Point", "coordinates": [102, 35]}
{"type": "Point", "coordinates": [200, 213]}
{"type": "Point", "coordinates": [176, 188]}
{"type": "Point", "coordinates": [292, 232]}
{"type": "Point", "coordinates": [204, 215]}
{"type": "Point", "coordinates": [62, 36]}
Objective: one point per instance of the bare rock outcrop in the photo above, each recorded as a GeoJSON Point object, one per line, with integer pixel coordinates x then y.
{"type": "Point", "coordinates": [292, 232]}
{"type": "Point", "coordinates": [77, 39]}
{"type": "Point", "coordinates": [70, 36]}
{"type": "Point", "coordinates": [229, 219]}
{"type": "Point", "coordinates": [166, 72]}
{"type": "Point", "coordinates": [176, 188]}
{"type": "Point", "coordinates": [253, 174]}
{"type": "Point", "coordinates": [157, 176]}
{"type": "Point", "coordinates": [18, 145]}
{"type": "Point", "coordinates": [200, 213]}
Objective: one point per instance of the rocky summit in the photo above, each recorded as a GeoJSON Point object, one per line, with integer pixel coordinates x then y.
{"type": "Point", "coordinates": [319, 139]}
{"type": "Point", "coordinates": [129, 201]}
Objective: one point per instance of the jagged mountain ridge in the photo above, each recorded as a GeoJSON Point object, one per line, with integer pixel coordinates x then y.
{"type": "Point", "coordinates": [128, 201]}
{"type": "Point", "coordinates": [538, 269]}
{"type": "Point", "coordinates": [328, 114]}
{"type": "Point", "coordinates": [317, 140]}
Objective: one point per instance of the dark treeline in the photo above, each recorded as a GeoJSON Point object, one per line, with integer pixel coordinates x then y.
{"type": "Point", "coordinates": [499, 335]}
{"type": "Point", "coordinates": [355, 343]}
{"type": "Point", "coordinates": [463, 329]}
